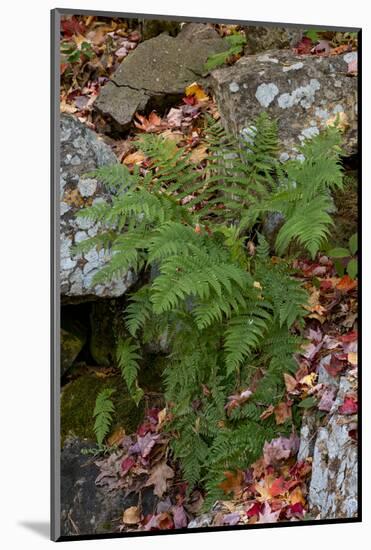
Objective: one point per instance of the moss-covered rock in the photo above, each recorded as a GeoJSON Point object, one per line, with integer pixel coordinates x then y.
{"type": "Point", "coordinates": [154, 27]}
{"type": "Point", "coordinates": [78, 401]}
{"type": "Point", "coordinates": [102, 338]}
{"type": "Point", "coordinates": [73, 339]}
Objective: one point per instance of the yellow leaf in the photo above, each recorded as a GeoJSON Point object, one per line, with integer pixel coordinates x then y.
{"type": "Point", "coordinates": [117, 436]}
{"type": "Point", "coordinates": [198, 154]}
{"type": "Point", "coordinates": [296, 496]}
{"type": "Point", "coordinates": [134, 158]}
{"type": "Point", "coordinates": [257, 285]}
{"type": "Point", "coordinates": [309, 380]}
{"type": "Point", "coordinates": [131, 516]}
{"type": "Point", "coordinates": [196, 90]}
{"type": "Point", "coordinates": [353, 358]}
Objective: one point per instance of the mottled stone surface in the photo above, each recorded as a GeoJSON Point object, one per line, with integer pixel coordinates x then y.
{"type": "Point", "coordinates": [156, 70]}
{"type": "Point", "coordinates": [86, 508]}
{"type": "Point", "coordinates": [262, 38]}
{"type": "Point", "coordinates": [301, 91]}
{"type": "Point", "coordinates": [81, 152]}
{"type": "Point", "coordinates": [333, 485]}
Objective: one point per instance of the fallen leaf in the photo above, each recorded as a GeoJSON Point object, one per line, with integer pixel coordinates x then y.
{"type": "Point", "coordinates": [236, 400]}
{"type": "Point", "coordinates": [131, 516]}
{"type": "Point", "coordinates": [116, 438]}
{"type": "Point", "coordinates": [353, 358]}
{"type": "Point", "coordinates": [267, 413]}
{"type": "Point", "coordinates": [126, 465]}
{"type": "Point", "coordinates": [232, 519]}
{"type": "Point", "coordinates": [282, 412]}
{"type": "Point", "coordinates": [290, 383]}
{"type": "Point", "coordinates": [297, 497]}
{"type": "Point", "coordinates": [196, 90]}
{"type": "Point", "coordinates": [267, 516]}
{"type": "Point", "coordinates": [180, 517]}
{"type": "Point", "coordinates": [233, 482]}
{"type": "Point", "coordinates": [278, 487]}
{"type": "Point", "coordinates": [323, 47]}
{"type": "Point", "coordinates": [280, 448]}
{"type": "Point", "coordinates": [159, 476]}
{"type": "Point", "coordinates": [349, 406]}
{"type": "Point", "coordinates": [153, 123]}
{"type": "Point", "coordinates": [134, 158]}
{"type": "Point", "coordinates": [199, 154]}
{"type": "Point", "coordinates": [327, 399]}
{"type": "Point", "coordinates": [346, 283]}
{"type": "Point", "coordinates": [175, 117]}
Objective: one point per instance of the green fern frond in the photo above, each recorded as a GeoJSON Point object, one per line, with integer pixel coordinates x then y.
{"type": "Point", "coordinates": [103, 411]}
{"type": "Point", "coordinates": [127, 354]}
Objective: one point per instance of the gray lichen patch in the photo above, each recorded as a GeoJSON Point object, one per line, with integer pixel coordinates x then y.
{"type": "Point", "coordinates": [308, 133]}
{"type": "Point", "coordinates": [234, 87]}
{"type": "Point", "coordinates": [294, 67]}
{"type": "Point", "coordinates": [265, 93]}
{"type": "Point", "coordinates": [304, 95]}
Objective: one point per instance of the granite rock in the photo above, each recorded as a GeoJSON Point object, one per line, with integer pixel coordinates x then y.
{"type": "Point", "coordinates": [157, 72]}
{"type": "Point", "coordinates": [303, 92]}
{"type": "Point", "coordinates": [82, 151]}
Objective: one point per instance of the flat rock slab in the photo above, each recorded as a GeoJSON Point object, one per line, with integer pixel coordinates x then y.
{"type": "Point", "coordinates": [301, 91]}
{"type": "Point", "coordinates": [81, 151]}
{"type": "Point", "coordinates": [156, 70]}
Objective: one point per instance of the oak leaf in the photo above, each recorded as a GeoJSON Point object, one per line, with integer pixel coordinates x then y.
{"type": "Point", "coordinates": [159, 476]}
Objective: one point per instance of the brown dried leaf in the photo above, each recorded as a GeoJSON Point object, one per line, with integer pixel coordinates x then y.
{"type": "Point", "coordinates": [131, 516]}
{"type": "Point", "coordinates": [159, 476]}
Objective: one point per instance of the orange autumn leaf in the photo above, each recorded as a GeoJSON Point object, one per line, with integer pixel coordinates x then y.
{"type": "Point", "coordinates": [346, 283]}
{"type": "Point", "coordinates": [282, 412]}
{"type": "Point", "coordinates": [267, 413]}
{"type": "Point", "coordinates": [296, 496]}
{"type": "Point", "coordinates": [270, 487]}
{"type": "Point", "coordinates": [233, 482]}
{"type": "Point", "coordinates": [278, 487]}
{"type": "Point", "coordinates": [134, 158]}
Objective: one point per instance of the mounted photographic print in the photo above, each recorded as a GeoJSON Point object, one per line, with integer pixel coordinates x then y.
{"type": "Point", "coordinates": [205, 274]}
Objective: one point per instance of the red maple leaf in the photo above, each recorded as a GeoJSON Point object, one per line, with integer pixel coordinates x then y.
{"type": "Point", "coordinates": [350, 406]}
{"type": "Point", "coordinates": [72, 26]}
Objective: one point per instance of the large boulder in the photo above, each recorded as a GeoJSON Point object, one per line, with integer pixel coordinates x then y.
{"type": "Point", "coordinates": [303, 92]}
{"type": "Point", "coordinates": [87, 509]}
{"type": "Point", "coordinates": [158, 70]}
{"type": "Point", "coordinates": [82, 151]}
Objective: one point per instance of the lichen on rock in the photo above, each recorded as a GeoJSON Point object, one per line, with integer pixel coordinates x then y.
{"type": "Point", "coordinates": [82, 151]}
{"type": "Point", "coordinates": [303, 93]}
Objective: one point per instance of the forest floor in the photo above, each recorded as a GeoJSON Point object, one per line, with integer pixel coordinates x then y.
{"type": "Point", "coordinates": [275, 488]}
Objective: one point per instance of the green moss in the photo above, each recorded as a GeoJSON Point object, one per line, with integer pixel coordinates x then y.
{"type": "Point", "coordinates": [102, 341]}
{"type": "Point", "coordinates": [78, 400]}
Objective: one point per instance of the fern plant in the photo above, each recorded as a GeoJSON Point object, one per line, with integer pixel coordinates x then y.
{"type": "Point", "coordinates": [103, 411]}
{"type": "Point", "coordinates": [231, 315]}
